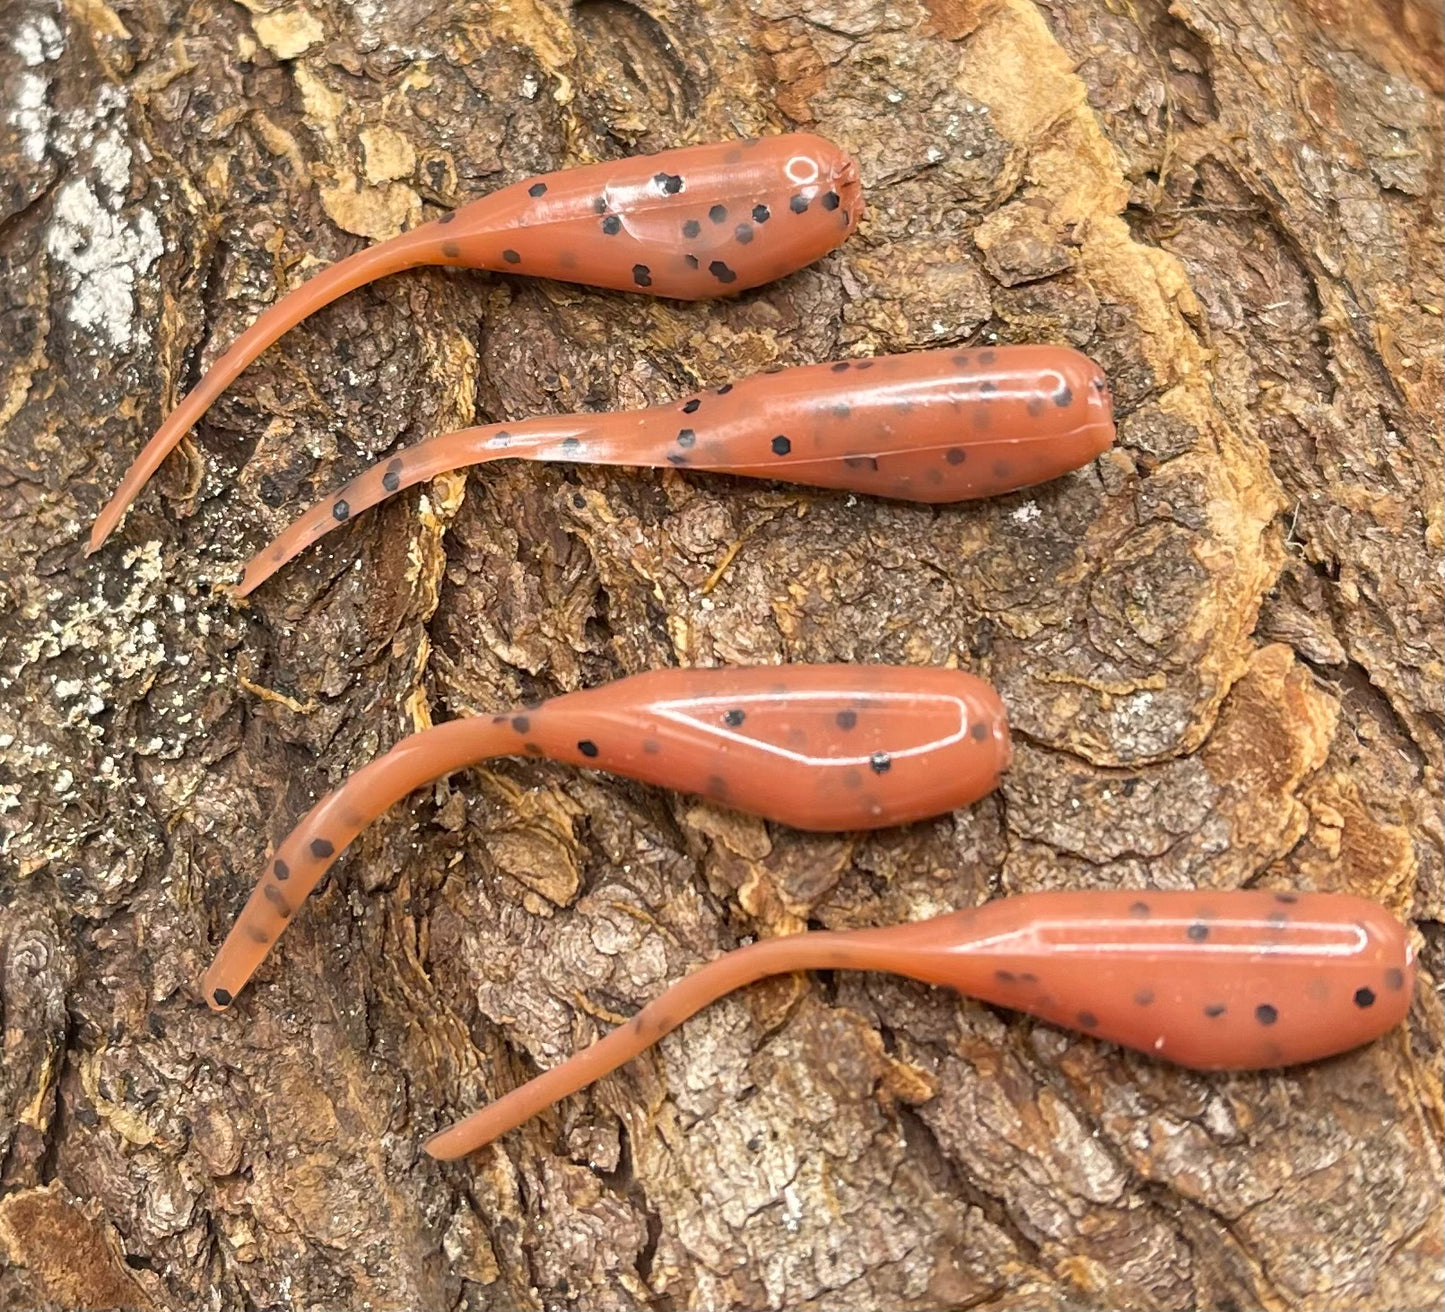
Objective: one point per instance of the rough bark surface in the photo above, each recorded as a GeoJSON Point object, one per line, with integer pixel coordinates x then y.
{"type": "Point", "coordinates": [1221, 644]}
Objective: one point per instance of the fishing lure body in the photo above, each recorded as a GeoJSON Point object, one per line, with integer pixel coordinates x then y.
{"type": "Point", "coordinates": [1210, 980]}
{"type": "Point", "coordinates": [825, 747]}
{"type": "Point", "coordinates": [932, 426]}
{"type": "Point", "coordinates": [693, 223]}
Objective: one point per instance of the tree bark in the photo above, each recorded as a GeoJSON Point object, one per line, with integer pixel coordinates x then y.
{"type": "Point", "coordinates": [1221, 647]}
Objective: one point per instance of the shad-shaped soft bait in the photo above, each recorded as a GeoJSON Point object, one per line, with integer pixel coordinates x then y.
{"type": "Point", "coordinates": [933, 426]}
{"type": "Point", "coordinates": [1213, 981]}
{"type": "Point", "coordinates": [827, 747]}
{"type": "Point", "coordinates": [692, 223]}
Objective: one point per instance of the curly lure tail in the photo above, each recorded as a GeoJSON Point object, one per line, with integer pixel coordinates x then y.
{"type": "Point", "coordinates": [424, 246]}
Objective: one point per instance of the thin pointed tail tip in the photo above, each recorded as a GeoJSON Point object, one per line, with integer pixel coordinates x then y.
{"type": "Point", "coordinates": [252, 577]}
{"type": "Point", "coordinates": [109, 516]}
{"type": "Point", "coordinates": [218, 1000]}
{"type": "Point", "coordinates": [448, 1146]}
{"type": "Point", "coordinates": [99, 531]}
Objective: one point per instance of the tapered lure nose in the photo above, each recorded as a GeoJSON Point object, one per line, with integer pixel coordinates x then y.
{"type": "Point", "coordinates": [842, 170]}
{"type": "Point", "coordinates": [1074, 390]}
{"type": "Point", "coordinates": [1101, 409]}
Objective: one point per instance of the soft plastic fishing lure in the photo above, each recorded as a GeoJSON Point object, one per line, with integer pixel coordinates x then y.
{"type": "Point", "coordinates": [1214, 981]}
{"type": "Point", "coordinates": [828, 747]}
{"type": "Point", "coordinates": [933, 426]}
{"type": "Point", "coordinates": [693, 223]}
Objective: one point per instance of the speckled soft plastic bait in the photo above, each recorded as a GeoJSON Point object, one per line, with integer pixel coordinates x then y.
{"type": "Point", "coordinates": [1214, 981]}
{"type": "Point", "coordinates": [932, 426]}
{"type": "Point", "coordinates": [830, 747]}
{"type": "Point", "coordinates": [693, 223]}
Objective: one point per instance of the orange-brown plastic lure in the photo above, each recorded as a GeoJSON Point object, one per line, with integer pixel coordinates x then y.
{"type": "Point", "coordinates": [1213, 981]}
{"type": "Point", "coordinates": [693, 223]}
{"type": "Point", "coordinates": [829, 747]}
{"type": "Point", "coordinates": [933, 426]}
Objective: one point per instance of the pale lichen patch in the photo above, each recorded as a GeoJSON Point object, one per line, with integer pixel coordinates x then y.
{"type": "Point", "coordinates": [106, 255]}
{"type": "Point", "coordinates": [31, 115]}
{"type": "Point", "coordinates": [112, 159]}
{"type": "Point", "coordinates": [39, 42]}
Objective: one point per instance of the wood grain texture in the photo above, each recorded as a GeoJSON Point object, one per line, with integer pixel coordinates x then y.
{"type": "Point", "coordinates": [1220, 647]}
